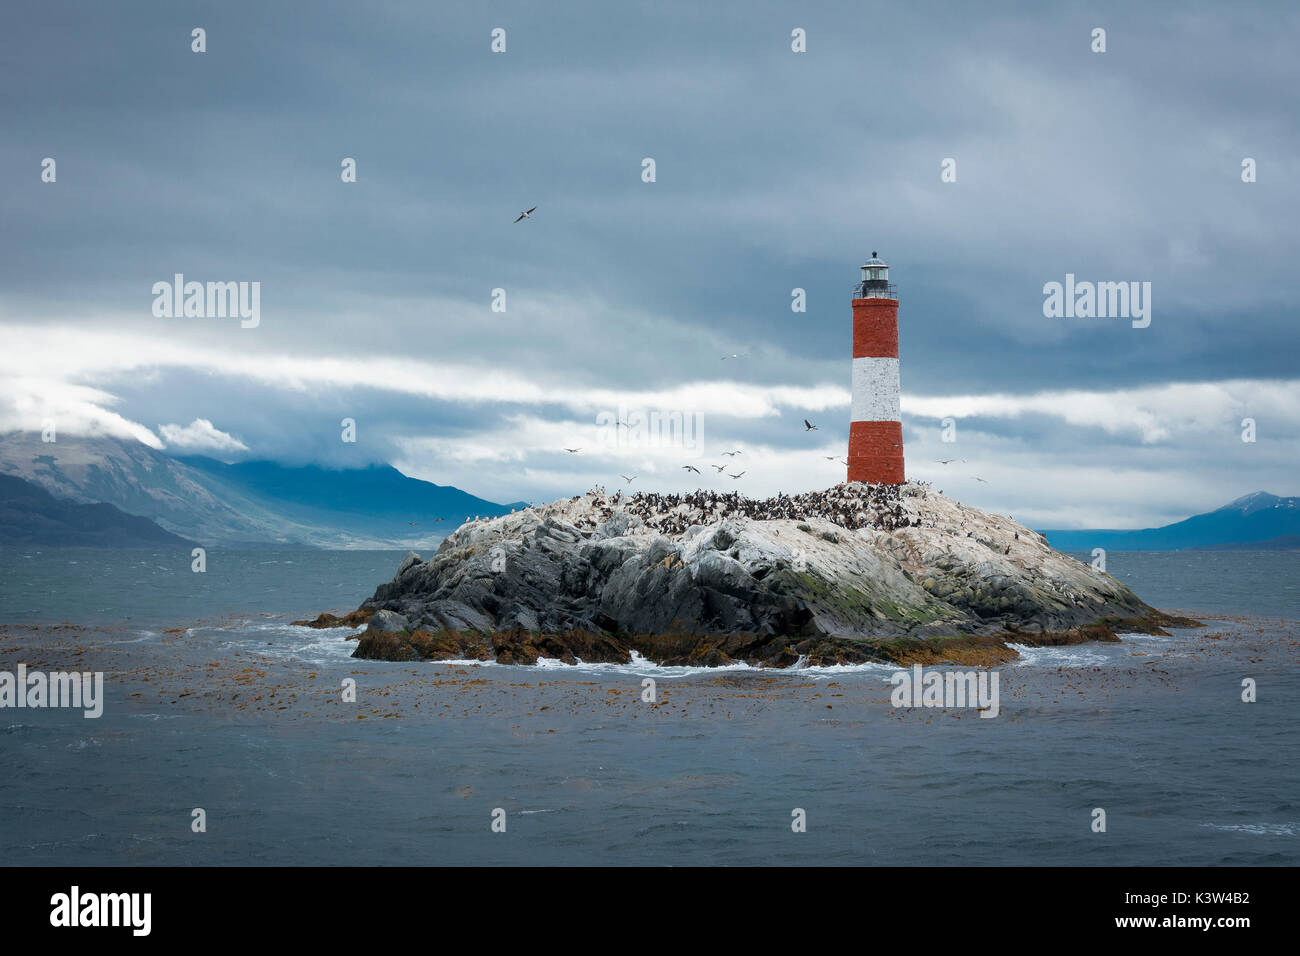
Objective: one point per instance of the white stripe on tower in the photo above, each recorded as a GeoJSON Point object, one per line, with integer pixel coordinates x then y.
{"type": "Point", "coordinates": [875, 389]}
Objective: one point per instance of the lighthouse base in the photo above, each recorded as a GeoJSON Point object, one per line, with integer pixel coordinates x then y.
{"type": "Point", "coordinates": [876, 452]}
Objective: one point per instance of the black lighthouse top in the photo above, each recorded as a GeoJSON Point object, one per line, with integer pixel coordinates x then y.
{"type": "Point", "coordinates": [875, 282]}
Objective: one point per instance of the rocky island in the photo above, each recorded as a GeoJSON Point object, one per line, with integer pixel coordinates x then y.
{"type": "Point", "coordinates": [858, 572]}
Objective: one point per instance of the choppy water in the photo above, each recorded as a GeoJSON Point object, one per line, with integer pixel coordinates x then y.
{"type": "Point", "coordinates": [1151, 730]}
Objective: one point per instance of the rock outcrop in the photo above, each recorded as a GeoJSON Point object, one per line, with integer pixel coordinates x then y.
{"type": "Point", "coordinates": [858, 572]}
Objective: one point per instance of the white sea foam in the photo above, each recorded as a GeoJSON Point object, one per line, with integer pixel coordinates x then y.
{"type": "Point", "coordinates": [1147, 638]}
{"type": "Point", "coordinates": [324, 647]}
{"type": "Point", "coordinates": [1258, 829]}
{"type": "Point", "coordinates": [640, 666]}
{"type": "Point", "coordinates": [825, 671]}
{"type": "Point", "coordinates": [1075, 655]}
{"type": "Point", "coordinates": [140, 638]}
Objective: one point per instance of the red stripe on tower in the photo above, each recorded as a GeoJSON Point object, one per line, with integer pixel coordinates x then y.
{"type": "Point", "coordinates": [876, 432]}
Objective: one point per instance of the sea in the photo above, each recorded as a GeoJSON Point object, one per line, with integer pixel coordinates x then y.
{"type": "Point", "coordinates": [227, 736]}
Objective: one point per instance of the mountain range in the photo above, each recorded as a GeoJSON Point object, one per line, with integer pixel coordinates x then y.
{"type": "Point", "coordinates": [254, 504]}
{"type": "Point", "coordinates": [1255, 522]}
{"type": "Point", "coordinates": [30, 515]}
{"type": "Point", "coordinates": [264, 504]}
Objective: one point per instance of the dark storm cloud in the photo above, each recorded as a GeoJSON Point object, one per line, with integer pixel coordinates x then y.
{"type": "Point", "coordinates": [775, 171]}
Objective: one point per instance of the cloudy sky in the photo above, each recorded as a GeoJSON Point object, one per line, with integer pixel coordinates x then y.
{"type": "Point", "coordinates": [774, 171]}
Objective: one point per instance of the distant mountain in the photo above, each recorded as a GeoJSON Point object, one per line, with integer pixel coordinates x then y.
{"type": "Point", "coordinates": [379, 498]}
{"type": "Point", "coordinates": [30, 515]}
{"type": "Point", "coordinates": [1259, 521]}
{"type": "Point", "coordinates": [256, 504]}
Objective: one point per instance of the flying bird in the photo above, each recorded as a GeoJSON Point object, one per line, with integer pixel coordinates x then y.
{"type": "Point", "coordinates": [526, 215]}
{"type": "Point", "coordinates": [627, 479]}
{"type": "Point", "coordinates": [690, 468]}
{"type": "Point", "coordinates": [731, 454]}
{"type": "Point", "coordinates": [809, 426]}
{"type": "Point", "coordinates": [733, 355]}
{"type": "Point", "coordinates": [573, 451]}
{"type": "Point", "coordinates": [948, 461]}
{"type": "Point", "coordinates": [981, 480]}
{"type": "Point", "coordinates": [735, 476]}
{"type": "Point", "coordinates": [719, 467]}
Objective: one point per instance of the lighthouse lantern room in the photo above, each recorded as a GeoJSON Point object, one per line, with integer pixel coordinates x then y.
{"type": "Point", "coordinates": [875, 280]}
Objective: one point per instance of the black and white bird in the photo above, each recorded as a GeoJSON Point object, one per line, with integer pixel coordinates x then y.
{"type": "Point", "coordinates": [735, 476]}
{"type": "Point", "coordinates": [809, 426]}
{"type": "Point", "coordinates": [719, 467]}
{"type": "Point", "coordinates": [526, 215]}
{"type": "Point", "coordinates": [690, 468]}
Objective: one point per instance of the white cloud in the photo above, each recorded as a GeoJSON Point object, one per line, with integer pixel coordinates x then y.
{"type": "Point", "coordinates": [1153, 414]}
{"type": "Point", "coordinates": [1176, 445]}
{"type": "Point", "coordinates": [27, 403]}
{"type": "Point", "coordinates": [93, 354]}
{"type": "Point", "coordinates": [200, 435]}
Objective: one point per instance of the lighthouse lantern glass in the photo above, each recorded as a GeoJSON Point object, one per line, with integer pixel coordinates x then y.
{"type": "Point", "coordinates": [875, 280]}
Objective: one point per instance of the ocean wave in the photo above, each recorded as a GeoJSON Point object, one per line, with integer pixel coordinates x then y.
{"type": "Point", "coordinates": [640, 666]}
{"type": "Point", "coordinates": [1257, 829]}
{"type": "Point", "coordinates": [1075, 655]}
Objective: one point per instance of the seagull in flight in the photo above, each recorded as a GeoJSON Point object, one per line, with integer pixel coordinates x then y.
{"type": "Point", "coordinates": [526, 215]}
{"type": "Point", "coordinates": [731, 454]}
{"type": "Point", "coordinates": [734, 355]}
{"type": "Point", "coordinates": [573, 451]}
{"type": "Point", "coordinates": [627, 479]}
{"type": "Point", "coordinates": [979, 479]}
{"type": "Point", "coordinates": [809, 426]}
{"type": "Point", "coordinates": [719, 467]}
{"type": "Point", "coordinates": [735, 476]}
{"type": "Point", "coordinates": [948, 461]}
{"type": "Point", "coordinates": [690, 468]}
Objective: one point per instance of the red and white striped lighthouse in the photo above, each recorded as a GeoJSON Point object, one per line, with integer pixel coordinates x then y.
{"type": "Point", "coordinates": [876, 432]}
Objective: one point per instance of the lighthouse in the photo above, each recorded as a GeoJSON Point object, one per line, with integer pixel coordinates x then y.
{"type": "Point", "coordinates": [876, 432]}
